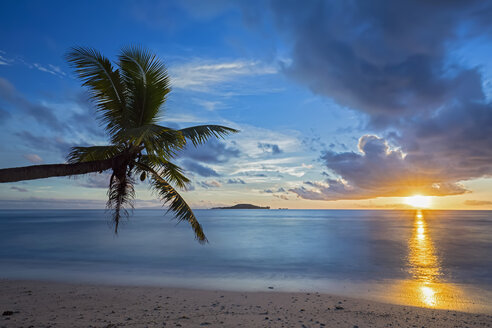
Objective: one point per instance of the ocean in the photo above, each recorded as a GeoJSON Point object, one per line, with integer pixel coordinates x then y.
{"type": "Point", "coordinates": [438, 259]}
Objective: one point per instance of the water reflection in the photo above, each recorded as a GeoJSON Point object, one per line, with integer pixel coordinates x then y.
{"type": "Point", "coordinates": [427, 286]}
{"type": "Point", "coordinates": [424, 263]}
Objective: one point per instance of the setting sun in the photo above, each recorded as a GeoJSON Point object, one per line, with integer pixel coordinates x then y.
{"type": "Point", "coordinates": [418, 201]}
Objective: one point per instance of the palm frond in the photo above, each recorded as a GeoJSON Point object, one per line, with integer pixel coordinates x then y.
{"type": "Point", "coordinates": [176, 204]}
{"type": "Point", "coordinates": [148, 79]}
{"type": "Point", "coordinates": [155, 138]}
{"type": "Point", "coordinates": [104, 83]}
{"type": "Point", "coordinates": [169, 171]}
{"type": "Point", "coordinates": [94, 153]}
{"type": "Point", "coordinates": [201, 133]}
{"type": "Point", "coordinates": [121, 194]}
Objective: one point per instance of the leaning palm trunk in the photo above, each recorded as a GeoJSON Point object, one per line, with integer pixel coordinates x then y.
{"type": "Point", "coordinates": [53, 170]}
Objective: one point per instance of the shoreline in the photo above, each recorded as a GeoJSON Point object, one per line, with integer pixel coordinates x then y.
{"type": "Point", "coordinates": [43, 303]}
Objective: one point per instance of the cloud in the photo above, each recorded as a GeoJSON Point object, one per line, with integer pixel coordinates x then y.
{"type": "Point", "coordinates": [276, 166]}
{"type": "Point", "coordinates": [212, 152]}
{"type": "Point", "coordinates": [202, 75]}
{"type": "Point", "coordinates": [279, 193]}
{"type": "Point", "coordinates": [235, 181]}
{"type": "Point", "coordinates": [456, 141]}
{"type": "Point", "coordinates": [33, 158]}
{"type": "Point", "coordinates": [210, 184]}
{"type": "Point", "coordinates": [85, 118]}
{"type": "Point", "coordinates": [51, 69]}
{"type": "Point", "coordinates": [97, 180]}
{"type": "Point", "coordinates": [199, 169]}
{"type": "Point", "coordinates": [386, 59]}
{"type": "Point", "coordinates": [270, 148]}
{"type": "Point", "coordinates": [251, 160]}
{"type": "Point", "coordinates": [253, 174]}
{"type": "Point", "coordinates": [46, 143]}
{"type": "Point", "coordinates": [395, 61]}
{"type": "Point", "coordinates": [471, 202]}
{"type": "Point", "coordinates": [38, 112]}
{"type": "Point", "coordinates": [378, 170]}
{"type": "Point", "coordinates": [3, 59]}
{"type": "Point", "coordinates": [77, 111]}
{"type": "Point", "coordinates": [19, 189]}
{"type": "Point", "coordinates": [210, 105]}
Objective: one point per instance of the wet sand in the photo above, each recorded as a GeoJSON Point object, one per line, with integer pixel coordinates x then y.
{"type": "Point", "coordinates": [47, 304]}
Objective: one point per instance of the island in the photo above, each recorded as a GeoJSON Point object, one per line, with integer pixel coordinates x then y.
{"type": "Point", "coordinates": [242, 207]}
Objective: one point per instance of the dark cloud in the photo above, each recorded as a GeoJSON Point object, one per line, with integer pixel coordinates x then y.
{"type": "Point", "coordinates": [86, 123]}
{"type": "Point", "coordinates": [83, 122]}
{"type": "Point", "coordinates": [253, 174]}
{"type": "Point", "coordinates": [477, 202]}
{"type": "Point", "coordinates": [40, 113]}
{"type": "Point", "coordinates": [235, 181]}
{"type": "Point", "coordinates": [47, 143]}
{"type": "Point", "coordinates": [86, 119]}
{"type": "Point", "coordinates": [212, 152]}
{"type": "Point", "coordinates": [19, 189]}
{"type": "Point", "coordinates": [386, 58]}
{"type": "Point", "coordinates": [456, 141]}
{"type": "Point", "coordinates": [199, 169]}
{"type": "Point", "coordinates": [270, 148]}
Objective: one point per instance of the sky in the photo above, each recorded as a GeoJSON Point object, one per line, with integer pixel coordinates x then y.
{"type": "Point", "coordinates": [340, 104]}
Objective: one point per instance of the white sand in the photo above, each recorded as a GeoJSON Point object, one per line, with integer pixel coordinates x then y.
{"type": "Point", "coordinates": [46, 304]}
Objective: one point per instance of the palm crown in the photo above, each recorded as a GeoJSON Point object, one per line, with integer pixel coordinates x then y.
{"type": "Point", "coordinates": [129, 100]}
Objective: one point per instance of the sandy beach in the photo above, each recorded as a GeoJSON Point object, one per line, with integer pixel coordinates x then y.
{"type": "Point", "coordinates": [48, 304]}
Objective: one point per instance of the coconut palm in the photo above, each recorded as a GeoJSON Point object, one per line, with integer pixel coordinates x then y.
{"type": "Point", "coordinates": [129, 100]}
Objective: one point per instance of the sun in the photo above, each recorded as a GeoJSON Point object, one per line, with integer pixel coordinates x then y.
{"type": "Point", "coordinates": [419, 201]}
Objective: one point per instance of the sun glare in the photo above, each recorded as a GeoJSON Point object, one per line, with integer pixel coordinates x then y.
{"type": "Point", "coordinates": [418, 201]}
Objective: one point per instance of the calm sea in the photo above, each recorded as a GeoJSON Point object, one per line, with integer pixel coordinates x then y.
{"type": "Point", "coordinates": [440, 259]}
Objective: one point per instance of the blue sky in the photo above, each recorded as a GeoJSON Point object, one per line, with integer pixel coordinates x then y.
{"type": "Point", "coordinates": [340, 105]}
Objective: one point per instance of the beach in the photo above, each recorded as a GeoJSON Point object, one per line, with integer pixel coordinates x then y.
{"type": "Point", "coordinates": [50, 304]}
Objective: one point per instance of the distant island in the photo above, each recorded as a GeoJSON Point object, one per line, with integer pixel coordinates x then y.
{"type": "Point", "coordinates": [242, 207]}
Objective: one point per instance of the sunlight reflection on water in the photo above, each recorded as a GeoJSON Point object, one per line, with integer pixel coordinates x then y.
{"type": "Point", "coordinates": [427, 286]}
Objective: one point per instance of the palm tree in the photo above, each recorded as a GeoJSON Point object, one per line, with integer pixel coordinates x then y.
{"type": "Point", "coordinates": [129, 101]}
